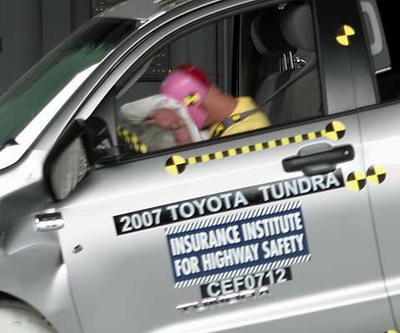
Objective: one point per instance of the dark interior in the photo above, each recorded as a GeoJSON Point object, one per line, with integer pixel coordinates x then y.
{"type": "Point", "coordinates": [389, 82]}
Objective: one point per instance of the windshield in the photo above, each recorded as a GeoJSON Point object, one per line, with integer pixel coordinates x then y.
{"type": "Point", "coordinates": [59, 74]}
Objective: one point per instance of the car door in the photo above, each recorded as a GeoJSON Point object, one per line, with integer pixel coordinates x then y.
{"type": "Point", "coordinates": [127, 271]}
{"type": "Point", "coordinates": [268, 231]}
{"type": "Point", "coordinates": [379, 128]}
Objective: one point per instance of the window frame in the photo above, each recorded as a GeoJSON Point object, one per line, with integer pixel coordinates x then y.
{"type": "Point", "coordinates": [386, 76]}
{"type": "Point", "coordinates": [354, 62]}
{"type": "Point", "coordinates": [180, 26]}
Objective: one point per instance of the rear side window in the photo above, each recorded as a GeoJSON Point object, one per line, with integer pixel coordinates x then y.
{"type": "Point", "coordinates": [387, 62]}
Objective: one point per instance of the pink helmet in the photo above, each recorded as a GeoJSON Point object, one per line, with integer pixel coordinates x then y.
{"type": "Point", "coordinates": [189, 85]}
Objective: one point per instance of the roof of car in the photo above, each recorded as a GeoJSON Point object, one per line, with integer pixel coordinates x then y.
{"type": "Point", "coordinates": [142, 9]}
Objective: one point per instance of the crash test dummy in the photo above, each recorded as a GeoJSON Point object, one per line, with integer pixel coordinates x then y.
{"type": "Point", "coordinates": [210, 108]}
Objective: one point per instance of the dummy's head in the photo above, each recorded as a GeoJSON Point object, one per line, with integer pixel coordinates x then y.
{"type": "Point", "coordinates": [189, 85]}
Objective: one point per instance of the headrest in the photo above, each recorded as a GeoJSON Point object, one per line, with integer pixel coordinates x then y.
{"type": "Point", "coordinates": [297, 27]}
{"type": "Point", "coordinates": [266, 33]}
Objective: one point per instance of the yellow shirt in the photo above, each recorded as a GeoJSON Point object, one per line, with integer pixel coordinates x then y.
{"type": "Point", "coordinates": [255, 121]}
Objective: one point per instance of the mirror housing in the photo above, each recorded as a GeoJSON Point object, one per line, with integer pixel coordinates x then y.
{"type": "Point", "coordinates": [69, 161]}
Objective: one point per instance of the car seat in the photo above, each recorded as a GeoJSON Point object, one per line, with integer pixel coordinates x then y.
{"type": "Point", "coordinates": [270, 44]}
{"type": "Point", "coordinates": [300, 98]}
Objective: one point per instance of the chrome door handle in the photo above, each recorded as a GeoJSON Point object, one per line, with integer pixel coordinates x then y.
{"type": "Point", "coordinates": [48, 222]}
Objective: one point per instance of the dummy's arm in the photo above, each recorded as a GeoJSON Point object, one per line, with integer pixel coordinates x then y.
{"type": "Point", "coordinates": [169, 120]}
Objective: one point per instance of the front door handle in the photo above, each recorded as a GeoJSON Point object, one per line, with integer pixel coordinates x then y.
{"type": "Point", "coordinates": [320, 162]}
{"type": "Point", "coordinates": [49, 222]}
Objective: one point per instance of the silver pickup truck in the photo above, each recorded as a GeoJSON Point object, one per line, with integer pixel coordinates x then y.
{"type": "Point", "coordinates": [291, 228]}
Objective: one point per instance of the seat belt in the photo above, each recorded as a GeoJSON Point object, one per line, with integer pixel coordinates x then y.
{"type": "Point", "coordinates": [296, 76]}
{"type": "Point", "coordinates": [276, 104]}
{"type": "Point", "coordinates": [223, 126]}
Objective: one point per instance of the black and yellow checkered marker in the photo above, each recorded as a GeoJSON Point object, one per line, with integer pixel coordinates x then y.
{"type": "Point", "coordinates": [356, 180]}
{"type": "Point", "coordinates": [334, 131]}
{"type": "Point", "coordinates": [132, 140]}
{"type": "Point", "coordinates": [176, 165]}
{"type": "Point", "coordinates": [191, 99]}
{"type": "Point", "coordinates": [343, 35]}
{"type": "Point", "coordinates": [376, 174]}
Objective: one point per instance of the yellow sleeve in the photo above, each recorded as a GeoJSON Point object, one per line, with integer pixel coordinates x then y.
{"type": "Point", "coordinates": [255, 121]}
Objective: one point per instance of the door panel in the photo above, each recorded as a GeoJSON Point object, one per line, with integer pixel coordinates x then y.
{"type": "Point", "coordinates": [134, 281]}
{"type": "Point", "coordinates": [381, 142]}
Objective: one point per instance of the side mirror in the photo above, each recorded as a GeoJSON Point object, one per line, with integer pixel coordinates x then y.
{"type": "Point", "coordinates": [68, 162]}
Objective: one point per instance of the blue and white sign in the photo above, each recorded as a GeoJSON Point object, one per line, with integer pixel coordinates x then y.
{"type": "Point", "coordinates": [236, 244]}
